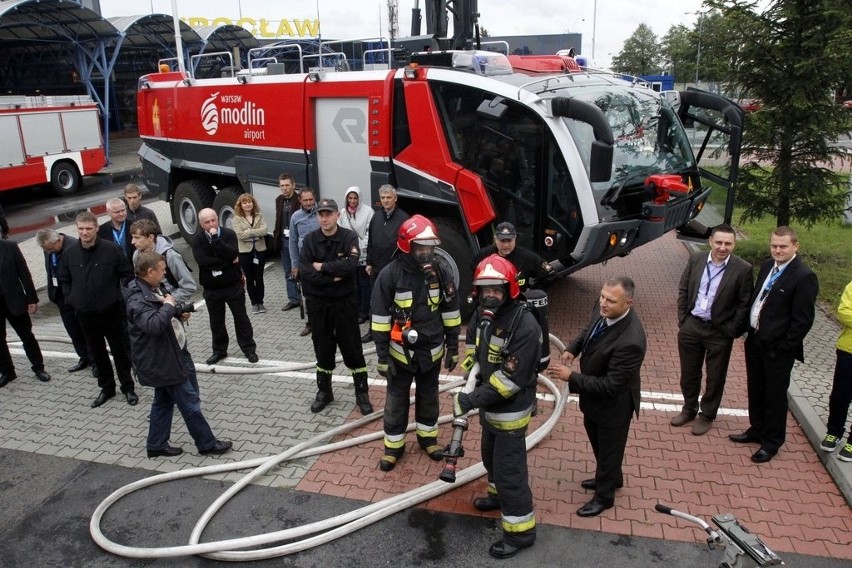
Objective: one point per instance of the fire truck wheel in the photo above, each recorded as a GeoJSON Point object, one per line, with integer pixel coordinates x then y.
{"type": "Point", "coordinates": [191, 196]}
{"type": "Point", "coordinates": [64, 178]}
{"type": "Point", "coordinates": [224, 203]}
{"type": "Point", "coordinates": [458, 254]}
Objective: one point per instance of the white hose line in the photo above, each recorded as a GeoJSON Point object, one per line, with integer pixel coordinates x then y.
{"type": "Point", "coordinates": [334, 527]}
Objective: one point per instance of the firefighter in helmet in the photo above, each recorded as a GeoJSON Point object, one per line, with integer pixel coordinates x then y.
{"type": "Point", "coordinates": [504, 338]}
{"type": "Point", "coordinates": [415, 322]}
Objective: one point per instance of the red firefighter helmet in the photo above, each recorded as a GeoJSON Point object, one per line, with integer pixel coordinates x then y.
{"type": "Point", "coordinates": [417, 229]}
{"type": "Point", "coordinates": [494, 270]}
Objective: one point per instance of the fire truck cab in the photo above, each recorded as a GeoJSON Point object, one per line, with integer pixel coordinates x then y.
{"type": "Point", "coordinates": [586, 164]}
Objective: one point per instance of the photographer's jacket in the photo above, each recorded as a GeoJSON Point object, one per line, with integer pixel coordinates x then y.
{"type": "Point", "coordinates": [507, 352]}
{"type": "Point", "coordinates": [153, 342]}
{"type": "Point", "coordinates": [429, 303]}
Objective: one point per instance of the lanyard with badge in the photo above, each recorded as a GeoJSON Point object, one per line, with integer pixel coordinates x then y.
{"type": "Point", "coordinates": [54, 260]}
{"type": "Point", "coordinates": [775, 274]}
{"type": "Point", "coordinates": [710, 279]}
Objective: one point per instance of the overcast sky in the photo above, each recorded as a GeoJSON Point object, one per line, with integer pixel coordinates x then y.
{"type": "Point", "coordinates": [344, 19]}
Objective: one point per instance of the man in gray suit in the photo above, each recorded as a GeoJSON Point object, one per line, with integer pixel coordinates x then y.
{"type": "Point", "coordinates": [712, 310]}
{"type": "Point", "coordinates": [612, 348]}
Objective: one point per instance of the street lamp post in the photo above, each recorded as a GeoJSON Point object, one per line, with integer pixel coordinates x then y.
{"type": "Point", "coordinates": [700, 15]}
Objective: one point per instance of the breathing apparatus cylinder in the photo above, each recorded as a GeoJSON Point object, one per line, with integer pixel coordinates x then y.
{"type": "Point", "coordinates": [455, 450]}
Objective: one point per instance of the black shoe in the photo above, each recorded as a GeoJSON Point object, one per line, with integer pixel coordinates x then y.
{"type": "Point", "coordinates": [763, 455]}
{"type": "Point", "coordinates": [81, 364]}
{"type": "Point", "coordinates": [367, 337]}
{"type": "Point", "coordinates": [363, 401]}
{"type": "Point", "coordinates": [168, 451]}
{"type": "Point", "coordinates": [6, 378]}
{"type": "Point", "coordinates": [744, 438]}
{"type": "Point", "coordinates": [42, 375]}
{"type": "Point", "coordinates": [252, 357]}
{"type": "Point", "coordinates": [306, 331]}
{"type": "Point", "coordinates": [215, 358]}
{"type": "Point", "coordinates": [592, 484]}
{"type": "Point", "coordinates": [289, 306]}
{"type": "Point", "coordinates": [594, 508]}
{"type": "Point", "coordinates": [363, 319]}
{"type": "Point", "coordinates": [487, 503]}
{"type": "Point", "coordinates": [102, 398]}
{"type": "Point", "coordinates": [502, 550]}
{"type": "Point", "coordinates": [321, 401]}
{"type": "Point", "coordinates": [131, 397]}
{"type": "Point", "coordinates": [95, 371]}
{"type": "Point", "coordinates": [220, 447]}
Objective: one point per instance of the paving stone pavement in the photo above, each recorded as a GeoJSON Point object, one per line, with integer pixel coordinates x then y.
{"type": "Point", "coordinates": [793, 503]}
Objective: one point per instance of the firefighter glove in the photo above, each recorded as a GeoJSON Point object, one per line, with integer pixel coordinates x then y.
{"type": "Point", "coordinates": [451, 359]}
{"type": "Point", "coordinates": [386, 369]}
{"type": "Point", "coordinates": [461, 404]}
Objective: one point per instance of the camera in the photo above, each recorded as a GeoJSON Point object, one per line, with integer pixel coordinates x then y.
{"type": "Point", "coordinates": [184, 308]}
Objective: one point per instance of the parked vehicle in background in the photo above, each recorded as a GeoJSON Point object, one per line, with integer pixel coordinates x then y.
{"type": "Point", "coordinates": [55, 140]}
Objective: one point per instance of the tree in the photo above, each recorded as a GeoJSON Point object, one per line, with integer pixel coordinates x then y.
{"type": "Point", "coordinates": [791, 57]}
{"type": "Point", "coordinates": [640, 54]}
{"type": "Point", "coordinates": [677, 49]}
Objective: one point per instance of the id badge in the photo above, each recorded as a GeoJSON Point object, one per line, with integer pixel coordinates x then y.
{"type": "Point", "coordinates": [54, 281]}
{"type": "Point", "coordinates": [216, 273]}
{"type": "Point", "coordinates": [704, 304]}
{"type": "Point", "coordinates": [286, 233]}
{"type": "Point", "coordinates": [255, 260]}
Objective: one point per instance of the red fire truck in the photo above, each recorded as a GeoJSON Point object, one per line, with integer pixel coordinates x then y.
{"type": "Point", "coordinates": [55, 139]}
{"type": "Point", "coordinates": [586, 164]}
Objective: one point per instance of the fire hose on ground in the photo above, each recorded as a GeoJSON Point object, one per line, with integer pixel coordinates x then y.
{"type": "Point", "coordinates": [312, 534]}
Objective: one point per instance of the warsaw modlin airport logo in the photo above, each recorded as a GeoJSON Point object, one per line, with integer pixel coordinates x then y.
{"type": "Point", "coordinates": [234, 110]}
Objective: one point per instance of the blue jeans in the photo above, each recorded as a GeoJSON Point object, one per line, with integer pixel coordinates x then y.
{"type": "Point", "coordinates": [841, 395]}
{"type": "Point", "coordinates": [185, 396]}
{"type": "Point", "coordinates": [292, 290]}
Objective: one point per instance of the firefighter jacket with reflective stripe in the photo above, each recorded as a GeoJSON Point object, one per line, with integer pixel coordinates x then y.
{"type": "Point", "coordinates": [425, 303]}
{"type": "Point", "coordinates": [338, 254]}
{"type": "Point", "coordinates": [508, 351]}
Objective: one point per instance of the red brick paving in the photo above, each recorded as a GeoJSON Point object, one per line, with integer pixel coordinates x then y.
{"type": "Point", "coordinates": [792, 502]}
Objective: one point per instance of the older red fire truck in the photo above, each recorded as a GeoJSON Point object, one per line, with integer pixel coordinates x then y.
{"type": "Point", "coordinates": [55, 139]}
{"type": "Point", "coordinates": [586, 164]}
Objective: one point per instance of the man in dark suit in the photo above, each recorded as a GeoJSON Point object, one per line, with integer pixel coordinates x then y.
{"type": "Point", "coordinates": [612, 348]}
{"type": "Point", "coordinates": [712, 310]}
{"type": "Point", "coordinates": [18, 299]}
{"type": "Point", "coordinates": [782, 313]}
{"type": "Point", "coordinates": [215, 251]}
{"type": "Point", "coordinates": [117, 229]}
{"type": "Point", "coordinates": [54, 245]}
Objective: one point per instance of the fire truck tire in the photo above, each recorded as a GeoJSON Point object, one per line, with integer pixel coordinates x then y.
{"type": "Point", "coordinates": [191, 196]}
{"type": "Point", "coordinates": [458, 254]}
{"type": "Point", "coordinates": [64, 178]}
{"type": "Point", "coordinates": [224, 205]}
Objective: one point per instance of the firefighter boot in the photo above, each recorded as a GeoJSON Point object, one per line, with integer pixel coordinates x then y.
{"type": "Point", "coordinates": [362, 395]}
{"type": "Point", "coordinates": [324, 394]}
{"type": "Point", "coordinates": [431, 447]}
{"type": "Point", "coordinates": [388, 461]}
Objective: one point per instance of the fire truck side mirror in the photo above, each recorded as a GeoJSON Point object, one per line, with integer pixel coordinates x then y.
{"type": "Point", "coordinates": [600, 168]}
{"type": "Point", "coordinates": [494, 108]}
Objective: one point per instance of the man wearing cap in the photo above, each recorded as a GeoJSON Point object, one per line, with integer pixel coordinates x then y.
{"type": "Point", "coordinates": [529, 264]}
{"type": "Point", "coordinates": [327, 263]}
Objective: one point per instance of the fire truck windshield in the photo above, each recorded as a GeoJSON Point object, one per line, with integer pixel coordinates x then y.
{"type": "Point", "coordinates": [647, 134]}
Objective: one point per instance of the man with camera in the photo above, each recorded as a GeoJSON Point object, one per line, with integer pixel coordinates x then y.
{"type": "Point", "coordinates": [162, 359]}
{"type": "Point", "coordinates": [415, 323]}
